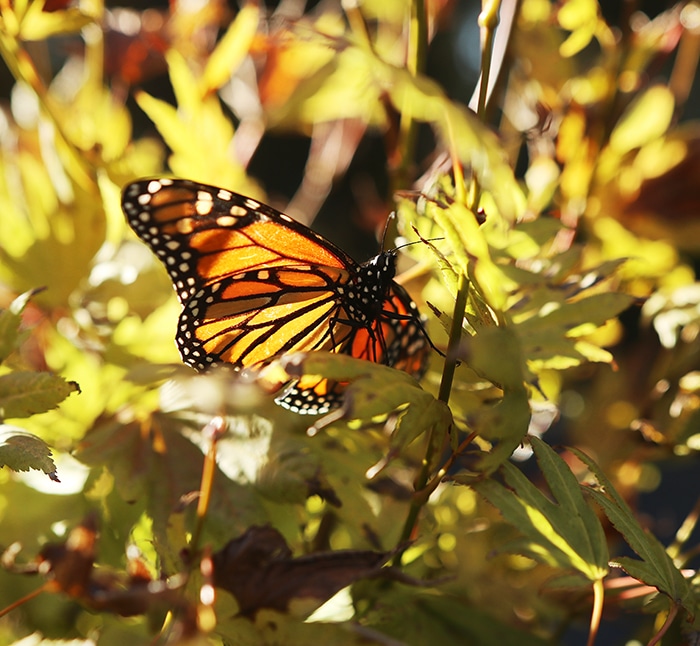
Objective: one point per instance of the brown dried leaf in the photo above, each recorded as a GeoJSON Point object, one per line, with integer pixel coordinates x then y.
{"type": "Point", "coordinates": [259, 570]}
{"type": "Point", "coordinates": [69, 569]}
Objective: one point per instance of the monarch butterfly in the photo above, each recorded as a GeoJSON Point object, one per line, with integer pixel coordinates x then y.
{"type": "Point", "coordinates": [255, 284]}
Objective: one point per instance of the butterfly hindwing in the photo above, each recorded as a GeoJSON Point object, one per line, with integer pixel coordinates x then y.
{"type": "Point", "coordinates": [247, 319]}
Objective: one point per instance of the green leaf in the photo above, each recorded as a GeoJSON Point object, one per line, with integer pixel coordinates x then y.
{"type": "Point", "coordinates": [550, 336]}
{"type": "Point", "coordinates": [594, 309]}
{"type": "Point", "coordinates": [434, 617]}
{"type": "Point", "coordinates": [504, 425]}
{"type": "Point", "coordinates": [10, 320]}
{"type": "Point", "coordinates": [495, 353]}
{"type": "Point", "coordinates": [22, 451]}
{"type": "Point", "coordinates": [426, 413]}
{"type": "Point", "coordinates": [58, 243]}
{"type": "Point", "coordinates": [461, 230]}
{"type": "Point", "coordinates": [28, 393]}
{"type": "Point", "coordinates": [374, 392]}
{"type": "Point", "coordinates": [9, 332]}
{"type": "Point", "coordinates": [565, 533]}
{"type": "Point", "coordinates": [272, 627]}
{"type": "Point", "coordinates": [656, 567]}
{"type": "Point", "coordinates": [152, 461]}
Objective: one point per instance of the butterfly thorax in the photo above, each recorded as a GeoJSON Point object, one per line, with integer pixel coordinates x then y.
{"type": "Point", "coordinates": [364, 294]}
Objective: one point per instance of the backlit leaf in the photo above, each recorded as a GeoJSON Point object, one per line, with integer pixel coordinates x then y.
{"type": "Point", "coordinates": [646, 119]}
{"type": "Point", "coordinates": [565, 533]}
{"type": "Point", "coordinates": [38, 24]}
{"type": "Point", "coordinates": [153, 462]}
{"type": "Point", "coordinates": [10, 320]}
{"type": "Point", "coordinates": [374, 393]}
{"type": "Point", "coordinates": [62, 242]}
{"type": "Point", "coordinates": [197, 131]}
{"type": "Point", "coordinates": [27, 393]}
{"type": "Point", "coordinates": [435, 617]}
{"type": "Point", "coordinates": [231, 49]}
{"type": "Point", "coordinates": [22, 451]}
{"type": "Point", "coordinates": [656, 567]}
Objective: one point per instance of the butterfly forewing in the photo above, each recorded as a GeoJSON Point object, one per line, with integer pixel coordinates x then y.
{"type": "Point", "coordinates": [203, 233]}
{"type": "Point", "coordinates": [256, 284]}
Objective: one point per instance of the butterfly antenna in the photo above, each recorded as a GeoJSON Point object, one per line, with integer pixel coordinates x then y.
{"type": "Point", "coordinates": [390, 217]}
{"type": "Point", "coordinates": [422, 240]}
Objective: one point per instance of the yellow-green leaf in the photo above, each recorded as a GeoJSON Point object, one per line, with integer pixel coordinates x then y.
{"type": "Point", "coordinates": [38, 24]}
{"type": "Point", "coordinates": [647, 118]}
{"type": "Point", "coordinates": [231, 49]}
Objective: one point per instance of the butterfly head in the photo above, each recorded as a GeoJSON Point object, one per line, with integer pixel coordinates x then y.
{"type": "Point", "coordinates": [384, 265]}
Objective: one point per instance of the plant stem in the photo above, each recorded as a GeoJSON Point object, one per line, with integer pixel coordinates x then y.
{"type": "Point", "coordinates": [419, 498]}
{"type": "Point", "coordinates": [455, 338]}
{"type": "Point", "coordinates": [488, 19]}
{"type": "Point", "coordinates": [597, 611]}
{"type": "Point", "coordinates": [24, 599]}
{"type": "Point", "coordinates": [213, 430]}
{"type": "Point", "coordinates": [673, 612]}
{"type": "Point", "coordinates": [415, 63]}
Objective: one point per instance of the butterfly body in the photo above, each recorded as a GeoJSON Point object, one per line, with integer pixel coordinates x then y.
{"type": "Point", "coordinates": [255, 284]}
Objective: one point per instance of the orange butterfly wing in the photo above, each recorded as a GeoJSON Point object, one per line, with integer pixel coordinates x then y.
{"type": "Point", "coordinates": [255, 284]}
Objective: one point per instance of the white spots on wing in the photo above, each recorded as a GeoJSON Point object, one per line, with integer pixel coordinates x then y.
{"type": "Point", "coordinates": [185, 226]}
{"type": "Point", "coordinates": [226, 220]}
{"type": "Point", "coordinates": [204, 204]}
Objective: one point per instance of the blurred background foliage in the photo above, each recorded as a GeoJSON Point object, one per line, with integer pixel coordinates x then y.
{"type": "Point", "coordinates": [581, 322]}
